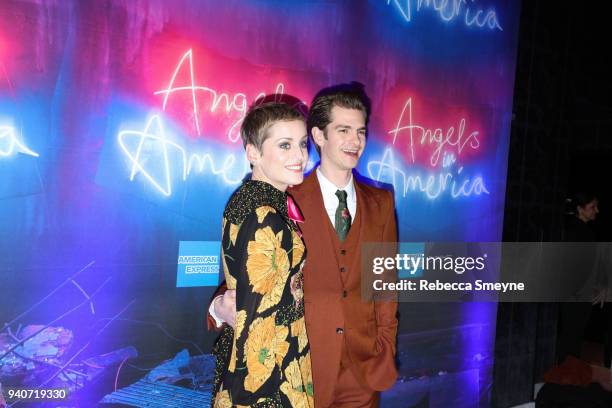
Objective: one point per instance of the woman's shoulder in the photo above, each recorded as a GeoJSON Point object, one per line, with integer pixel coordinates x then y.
{"type": "Point", "coordinates": [264, 214]}
{"type": "Point", "coordinates": [255, 199]}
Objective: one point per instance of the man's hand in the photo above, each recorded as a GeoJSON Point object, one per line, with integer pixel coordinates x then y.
{"type": "Point", "coordinates": [225, 307]}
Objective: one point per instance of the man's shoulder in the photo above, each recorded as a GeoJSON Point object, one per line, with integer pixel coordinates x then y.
{"type": "Point", "coordinates": [371, 189]}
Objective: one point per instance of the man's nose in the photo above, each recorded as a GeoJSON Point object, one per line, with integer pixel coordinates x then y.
{"type": "Point", "coordinates": [354, 136]}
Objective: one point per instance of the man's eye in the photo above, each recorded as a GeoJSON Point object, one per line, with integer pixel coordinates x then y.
{"type": "Point", "coordinates": [343, 131]}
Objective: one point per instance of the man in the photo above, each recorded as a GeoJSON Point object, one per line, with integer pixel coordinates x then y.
{"type": "Point", "coordinates": [352, 341]}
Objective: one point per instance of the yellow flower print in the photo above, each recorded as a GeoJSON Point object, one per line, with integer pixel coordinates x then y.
{"type": "Point", "coordinates": [261, 347]}
{"type": "Point", "coordinates": [306, 371]}
{"type": "Point", "coordinates": [259, 357]}
{"type": "Point", "coordinates": [263, 211]}
{"type": "Point", "coordinates": [281, 346]}
{"type": "Point", "coordinates": [273, 297]}
{"type": "Point", "coordinates": [230, 281]}
{"type": "Point", "coordinates": [266, 259]}
{"type": "Point", "coordinates": [240, 320]}
{"type": "Point", "coordinates": [293, 387]}
{"type": "Point", "coordinates": [222, 400]}
{"type": "Point", "coordinates": [298, 329]}
{"type": "Point", "coordinates": [298, 249]}
{"type": "Point", "coordinates": [233, 233]}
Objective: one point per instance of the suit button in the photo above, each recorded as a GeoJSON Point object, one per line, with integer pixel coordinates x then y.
{"type": "Point", "coordinates": [344, 294]}
{"type": "Point", "coordinates": [339, 330]}
{"type": "Point", "coordinates": [342, 252]}
{"type": "Point", "coordinates": [343, 269]}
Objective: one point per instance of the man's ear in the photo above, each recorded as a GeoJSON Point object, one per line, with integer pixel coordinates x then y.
{"type": "Point", "coordinates": [318, 136]}
{"type": "Point", "coordinates": [253, 154]}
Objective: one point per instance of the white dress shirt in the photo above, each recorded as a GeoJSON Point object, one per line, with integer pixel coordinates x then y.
{"type": "Point", "coordinates": [331, 201]}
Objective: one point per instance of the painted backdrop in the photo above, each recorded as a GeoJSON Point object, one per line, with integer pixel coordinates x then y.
{"type": "Point", "coordinates": [119, 146]}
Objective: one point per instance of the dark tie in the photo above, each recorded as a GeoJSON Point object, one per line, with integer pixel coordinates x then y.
{"type": "Point", "coordinates": [343, 216]}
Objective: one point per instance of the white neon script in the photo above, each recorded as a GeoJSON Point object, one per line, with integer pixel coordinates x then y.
{"type": "Point", "coordinates": [152, 140]}
{"type": "Point", "coordinates": [449, 10]}
{"type": "Point", "coordinates": [420, 135]}
{"type": "Point", "coordinates": [449, 180]}
{"type": "Point", "coordinates": [388, 169]}
{"type": "Point", "coordinates": [9, 144]}
{"type": "Point", "coordinates": [236, 103]}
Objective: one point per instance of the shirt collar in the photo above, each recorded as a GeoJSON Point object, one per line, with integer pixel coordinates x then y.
{"type": "Point", "coordinates": [329, 189]}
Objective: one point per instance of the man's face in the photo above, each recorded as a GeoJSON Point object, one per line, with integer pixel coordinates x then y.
{"type": "Point", "coordinates": [343, 140]}
{"type": "Point", "coordinates": [589, 211]}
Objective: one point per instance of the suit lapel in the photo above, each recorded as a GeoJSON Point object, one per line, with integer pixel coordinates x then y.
{"type": "Point", "coordinates": [326, 227]}
{"type": "Point", "coordinates": [367, 227]}
{"type": "Point", "coordinates": [363, 207]}
{"type": "Point", "coordinates": [316, 220]}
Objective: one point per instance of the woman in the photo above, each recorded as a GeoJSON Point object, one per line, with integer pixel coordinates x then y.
{"type": "Point", "coordinates": [265, 360]}
{"type": "Point", "coordinates": [574, 315]}
{"type": "Point", "coordinates": [585, 209]}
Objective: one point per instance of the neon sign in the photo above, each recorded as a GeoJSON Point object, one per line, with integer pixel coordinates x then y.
{"type": "Point", "coordinates": [449, 10]}
{"type": "Point", "coordinates": [450, 180]}
{"type": "Point", "coordinates": [432, 185]}
{"type": "Point", "coordinates": [160, 159]}
{"type": "Point", "coordinates": [436, 137]}
{"type": "Point", "coordinates": [139, 146]}
{"type": "Point", "coordinates": [152, 140]}
{"type": "Point", "coordinates": [236, 103]}
{"type": "Point", "coordinates": [9, 144]}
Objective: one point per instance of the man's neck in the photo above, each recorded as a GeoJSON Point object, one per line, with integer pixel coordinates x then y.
{"type": "Point", "coordinates": [339, 178]}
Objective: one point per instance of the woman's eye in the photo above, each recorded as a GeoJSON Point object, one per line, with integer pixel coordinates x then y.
{"type": "Point", "coordinates": [304, 144]}
{"type": "Point", "coordinates": [284, 146]}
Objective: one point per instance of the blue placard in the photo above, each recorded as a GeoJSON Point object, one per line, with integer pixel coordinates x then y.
{"type": "Point", "coordinates": [198, 263]}
{"type": "Point", "coordinates": [412, 253]}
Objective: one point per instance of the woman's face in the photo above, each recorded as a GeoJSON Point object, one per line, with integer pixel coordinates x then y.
{"type": "Point", "coordinates": [589, 211]}
{"type": "Point", "coordinates": [283, 156]}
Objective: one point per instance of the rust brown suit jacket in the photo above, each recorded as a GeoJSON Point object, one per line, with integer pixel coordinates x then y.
{"type": "Point", "coordinates": [333, 298]}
